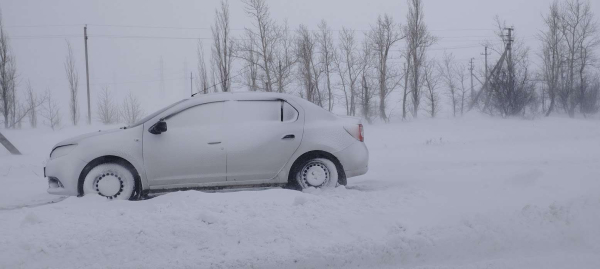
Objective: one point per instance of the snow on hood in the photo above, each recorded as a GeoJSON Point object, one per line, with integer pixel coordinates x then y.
{"type": "Point", "coordinates": [77, 139]}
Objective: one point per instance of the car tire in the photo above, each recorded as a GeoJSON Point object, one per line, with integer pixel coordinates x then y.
{"type": "Point", "coordinates": [315, 172]}
{"type": "Point", "coordinates": [111, 180]}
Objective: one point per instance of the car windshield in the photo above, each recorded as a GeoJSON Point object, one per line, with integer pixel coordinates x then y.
{"type": "Point", "coordinates": [147, 118]}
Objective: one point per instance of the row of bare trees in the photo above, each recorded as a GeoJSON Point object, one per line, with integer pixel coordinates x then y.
{"type": "Point", "coordinates": [110, 111]}
{"type": "Point", "coordinates": [34, 105]}
{"type": "Point", "coordinates": [569, 40]}
{"type": "Point", "coordinates": [359, 72]}
{"type": "Point", "coordinates": [13, 110]}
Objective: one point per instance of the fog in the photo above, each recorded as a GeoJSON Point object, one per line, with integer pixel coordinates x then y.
{"type": "Point", "coordinates": [127, 59]}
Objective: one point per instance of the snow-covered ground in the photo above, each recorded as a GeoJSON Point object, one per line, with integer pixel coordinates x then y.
{"type": "Point", "coordinates": [450, 193]}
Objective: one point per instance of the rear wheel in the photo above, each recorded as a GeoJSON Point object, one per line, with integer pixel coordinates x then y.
{"type": "Point", "coordinates": [316, 172]}
{"type": "Point", "coordinates": [111, 180]}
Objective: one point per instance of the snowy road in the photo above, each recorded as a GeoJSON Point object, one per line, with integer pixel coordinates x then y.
{"type": "Point", "coordinates": [468, 193]}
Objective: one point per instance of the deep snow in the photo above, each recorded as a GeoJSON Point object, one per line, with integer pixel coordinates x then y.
{"type": "Point", "coordinates": [450, 193]}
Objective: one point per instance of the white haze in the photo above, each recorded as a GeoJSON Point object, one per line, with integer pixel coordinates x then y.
{"type": "Point", "coordinates": [127, 64]}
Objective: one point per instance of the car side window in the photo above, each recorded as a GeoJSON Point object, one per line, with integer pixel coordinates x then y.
{"type": "Point", "coordinates": [200, 115]}
{"type": "Point", "coordinates": [263, 111]}
{"type": "Point", "coordinates": [289, 112]}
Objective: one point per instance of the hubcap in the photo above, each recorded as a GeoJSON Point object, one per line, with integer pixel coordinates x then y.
{"type": "Point", "coordinates": [109, 185]}
{"type": "Point", "coordinates": [315, 174]}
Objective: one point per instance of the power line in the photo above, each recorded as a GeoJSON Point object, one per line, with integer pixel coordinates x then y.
{"type": "Point", "coordinates": [154, 27]}
{"type": "Point", "coordinates": [135, 82]}
{"type": "Point", "coordinates": [45, 36]}
{"type": "Point", "coordinates": [241, 72]}
{"type": "Point", "coordinates": [43, 26]}
{"type": "Point", "coordinates": [155, 37]}
{"type": "Point", "coordinates": [193, 38]}
{"type": "Point", "coordinates": [208, 28]}
{"type": "Point", "coordinates": [464, 29]}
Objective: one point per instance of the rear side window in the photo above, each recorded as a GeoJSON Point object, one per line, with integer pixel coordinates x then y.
{"type": "Point", "coordinates": [200, 115]}
{"type": "Point", "coordinates": [263, 111]}
{"type": "Point", "coordinates": [289, 112]}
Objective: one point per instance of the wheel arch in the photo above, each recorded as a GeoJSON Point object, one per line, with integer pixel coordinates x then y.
{"type": "Point", "coordinates": [111, 159]}
{"type": "Point", "coordinates": [317, 154]}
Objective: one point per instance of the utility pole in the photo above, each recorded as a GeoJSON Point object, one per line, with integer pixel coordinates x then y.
{"type": "Point", "coordinates": [87, 74]}
{"type": "Point", "coordinates": [472, 87]}
{"type": "Point", "coordinates": [486, 54]}
{"type": "Point", "coordinates": [191, 84]}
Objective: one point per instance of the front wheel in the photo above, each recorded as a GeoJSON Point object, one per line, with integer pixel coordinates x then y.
{"type": "Point", "coordinates": [317, 173]}
{"type": "Point", "coordinates": [110, 180]}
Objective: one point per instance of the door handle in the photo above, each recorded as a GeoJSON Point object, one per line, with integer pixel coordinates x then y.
{"type": "Point", "coordinates": [214, 143]}
{"type": "Point", "coordinates": [290, 136]}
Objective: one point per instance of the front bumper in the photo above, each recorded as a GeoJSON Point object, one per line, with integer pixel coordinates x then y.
{"type": "Point", "coordinates": [62, 174]}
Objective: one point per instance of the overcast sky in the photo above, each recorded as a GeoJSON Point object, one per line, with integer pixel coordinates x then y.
{"type": "Point", "coordinates": [123, 60]}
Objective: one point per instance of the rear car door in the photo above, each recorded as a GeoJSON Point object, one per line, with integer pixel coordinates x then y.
{"type": "Point", "coordinates": [261, 136]}
{"type": "Point", "coordinates": [192, 150]}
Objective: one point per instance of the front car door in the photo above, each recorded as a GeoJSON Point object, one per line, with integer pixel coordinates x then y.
{"type": "Point", "coordinates": [192, 150]}
{"type": "Point", "coordinates": [262, 135]}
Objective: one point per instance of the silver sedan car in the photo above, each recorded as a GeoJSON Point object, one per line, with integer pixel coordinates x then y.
{"type": "Point", "coordinates": [215, 141]}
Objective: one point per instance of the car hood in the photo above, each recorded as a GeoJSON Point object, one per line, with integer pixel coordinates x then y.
{"type": "Point", "coordinates": [77, 139]}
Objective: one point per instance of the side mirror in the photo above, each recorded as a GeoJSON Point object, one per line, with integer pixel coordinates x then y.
{"type": "Point", "coordinates": [158, 128]}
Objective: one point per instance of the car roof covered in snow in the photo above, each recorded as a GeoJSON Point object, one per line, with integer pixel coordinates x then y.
{"type": "Point", "coordinates": [222, 96]}
{"type": "Point", "coordinates": [310, 109]}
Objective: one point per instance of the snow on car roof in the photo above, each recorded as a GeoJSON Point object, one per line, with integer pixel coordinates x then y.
{"type": "Point", "coordinates": [312, 110]}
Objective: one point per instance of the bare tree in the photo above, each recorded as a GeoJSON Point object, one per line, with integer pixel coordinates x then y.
{"type": "Point", "coordinates": [418, 40]}
{"type": "Point", "coordinates": [51, 112]}
{"type": "Point", "coordinates": [222, 50]}
{"type": "Point", "coordinates": [592, 101]}
{"type": "Point", "coordinates": [367, 91]}
{"type": "Point", "coordinates": [32, 101]}
{"type": "Point", "coordinates": [30, 108]}
{"type": "Point", "coordinates": [347, 65]}
{"type": "Point", "coordinates": [247, 52]}
{"type": "Point", "coordinates": [327, 55]}
{"type": "Point", "coordinates": [202, 83]}
{"type": "Point", "coordinates": [447, 70]}
{"type": "Point", "coordinates": [259, 49]}
{"type": "Point", "coordinates": [73, 80]}
{"type": "Point", "coordinates": [108, 111]}
{"type": "Point", "coordinates": [463, 88]}
{"type": "Point", "coordinates": [7, 76]}
{"type": "Point", "coordinates": [552, 53]}
{"type": "Point", "coordinates": [131, 109]}
{"type": "Point", "coordinates": [305, 52]}
{"type": "Point", "coordinates": [406, 82]}
{"type": "Point", "coordinates": [284, 60]}
{"type": "Point", "coordinates": [580, 31]}
{"type": "Point", "coordinates": [431, 92]}
{"type": "Point", "coordinates": [383, 36]}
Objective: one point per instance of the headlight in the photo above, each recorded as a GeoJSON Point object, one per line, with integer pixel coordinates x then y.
{"type": "Point", "coordinates": [61, 151]}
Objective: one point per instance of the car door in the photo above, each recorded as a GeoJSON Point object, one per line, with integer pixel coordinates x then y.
{"type": "Point", "coordinates": [262, 136]}
{"type": "Point", "coordinates": [192, 150]}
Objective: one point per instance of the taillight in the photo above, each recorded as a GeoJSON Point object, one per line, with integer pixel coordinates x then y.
{"type": "Point", "coordinates": [356, 131]}
{"type": "Point", "coordinates": [361, 133]}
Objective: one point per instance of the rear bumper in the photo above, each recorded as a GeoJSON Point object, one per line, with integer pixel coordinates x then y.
{"type": "Point", "coordinates": [354, 159]}
{"type": "Point", "coordinates": [357, 172]}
